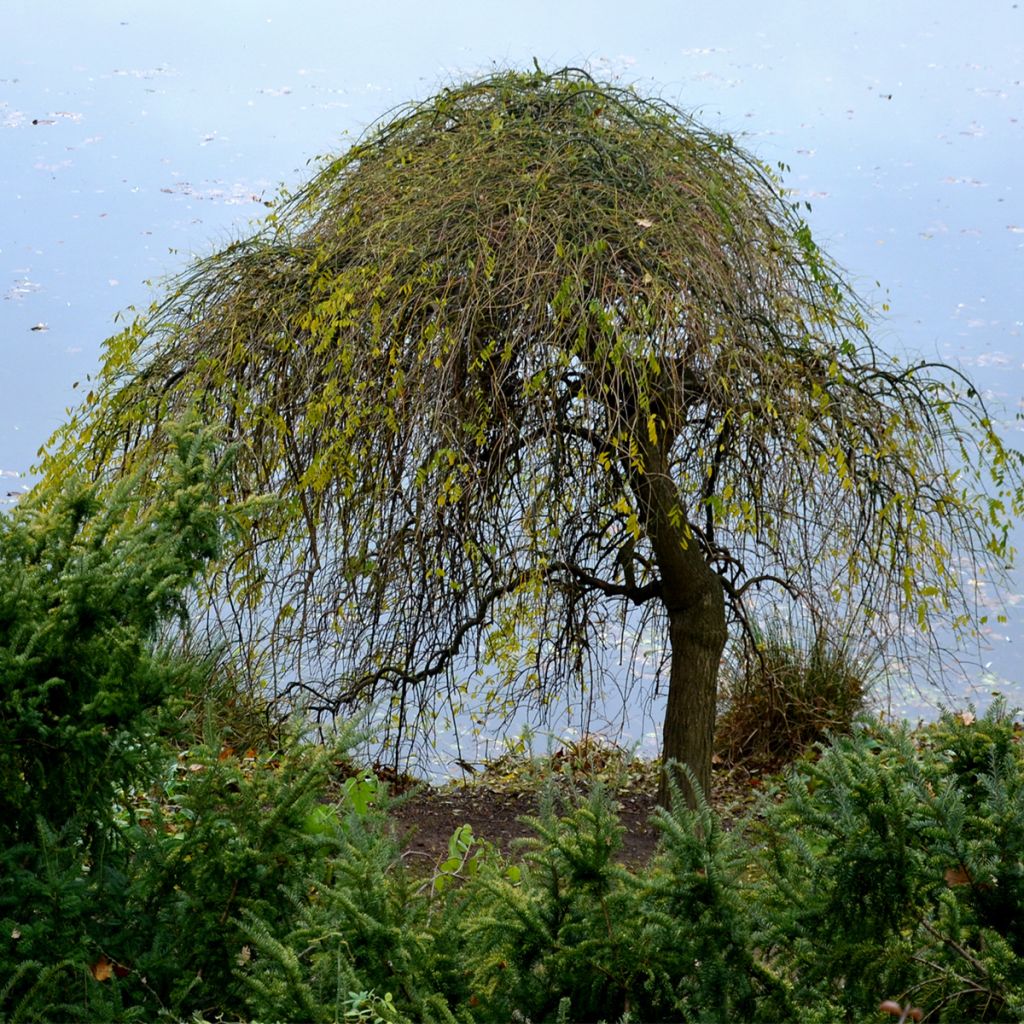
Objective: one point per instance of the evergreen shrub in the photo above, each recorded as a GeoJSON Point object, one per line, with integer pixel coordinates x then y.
{"type": "Point", "coordinates": [579, 933]}
{"type": "Point", "coordinates": [88, 580]}
{"type": "Point", "coordinates": [226, 837]}
{"type": "Point", "coordinates": [895, 870]}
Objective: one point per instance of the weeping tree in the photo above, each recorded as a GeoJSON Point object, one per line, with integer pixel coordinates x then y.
{"type": "Point", "coordinates": [533, 354]}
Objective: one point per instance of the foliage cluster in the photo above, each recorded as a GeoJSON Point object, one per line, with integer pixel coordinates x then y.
{"type": "Point", "coordinates": [896, 864]}
{"type": "Point", "coordinates": [888, 867]}
{"type": "Point", "coordinates": [89, 577]}
{"type": "Point", "coordinates": [233, 883]}
{"type": "Point", "coordinates": [535, 359]}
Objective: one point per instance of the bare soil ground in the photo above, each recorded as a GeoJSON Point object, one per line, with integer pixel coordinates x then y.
{"type": "Point", "coordinates": [426, 818]}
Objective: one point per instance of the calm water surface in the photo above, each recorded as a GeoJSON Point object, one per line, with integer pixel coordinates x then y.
{"type": "Point", "coordinates": [135, 134]}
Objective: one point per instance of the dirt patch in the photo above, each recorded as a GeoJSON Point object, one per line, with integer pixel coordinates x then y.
{"type": "Point", "coordinates": [427, 819]}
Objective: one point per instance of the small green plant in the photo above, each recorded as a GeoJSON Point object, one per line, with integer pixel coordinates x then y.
{"type": "Point", "coordinates": [783, 695]}
{"type": "Point", "coordinates": [360, 796]}
{"type": "Point", "coordinates": [369, 1008]}
{"type": "Point", "coordinates": [467, 856]}
{"type": "Point", "coordinates": [363, 792]}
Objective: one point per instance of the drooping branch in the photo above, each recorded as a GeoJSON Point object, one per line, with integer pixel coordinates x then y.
{"type": "Point", "coordinates": [636, 595]}
{"type": "Point", "coordinates": [532, 345]}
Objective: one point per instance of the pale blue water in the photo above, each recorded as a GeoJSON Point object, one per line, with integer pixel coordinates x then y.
{"type": "Point", "coordinates": [133, 134]}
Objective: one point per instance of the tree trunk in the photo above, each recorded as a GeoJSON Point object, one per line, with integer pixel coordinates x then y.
{"type": "Point", "coordinates": [694, 599]}
{"type": "Point", "coordinates": [697, 638]}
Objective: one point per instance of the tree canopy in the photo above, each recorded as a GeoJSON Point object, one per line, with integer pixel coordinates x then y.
{"type": "Point", "coordinates": [533, 351]}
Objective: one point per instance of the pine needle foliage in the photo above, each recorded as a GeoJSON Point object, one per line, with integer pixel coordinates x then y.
{"type": "Point", "coordinates": [556, 935]}
{"type": "Point", "coordinates": [891, 870]}
{"type": "Point", "coordinates": [534, 352]}
{"type": "Point", "coordinates": [361, 945]}
{"type": "Point", "coordinates": [35, 984]}
{"type": "Point", "coordinates": [896, 869]}
{"type": "Point", "coordinates": [579, 934]}
{"type": "Point", "coordinates": [224, 838]}
{"type": "Point", "coordinates": [89, 575]}
{"type": "Point", "coordinates": [700, 934]}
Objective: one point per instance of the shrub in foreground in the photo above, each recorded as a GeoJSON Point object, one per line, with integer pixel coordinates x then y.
{"type": "Point", "coordinates": [88, 578]}
{"type": "Point", "coordinates": [895, 867]}
{"type": "Point", "coordinates": [889, 870]}
{"type": "Point", "coordinates": [582, 934]}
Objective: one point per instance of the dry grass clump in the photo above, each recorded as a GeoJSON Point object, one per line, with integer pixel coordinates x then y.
{"type": "Point", "coordinates": [782, 695]}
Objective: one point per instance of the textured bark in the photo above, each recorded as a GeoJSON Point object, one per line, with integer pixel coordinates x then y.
{"type": "Point", "coordinates": [697, 636]}
{"type": "Point", "coordinates": [695, 601]}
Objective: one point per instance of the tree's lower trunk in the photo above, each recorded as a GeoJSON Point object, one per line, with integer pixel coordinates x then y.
{"type": "Point", "coordinates": [694, 599]}
{"type": "Point", "coordinates": [697, 636]}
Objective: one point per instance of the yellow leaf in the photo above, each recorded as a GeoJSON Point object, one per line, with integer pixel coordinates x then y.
{"type": "Point", "coordinates": [633, 525]}
{"type": "Point", "coordinates": [102, 969]}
